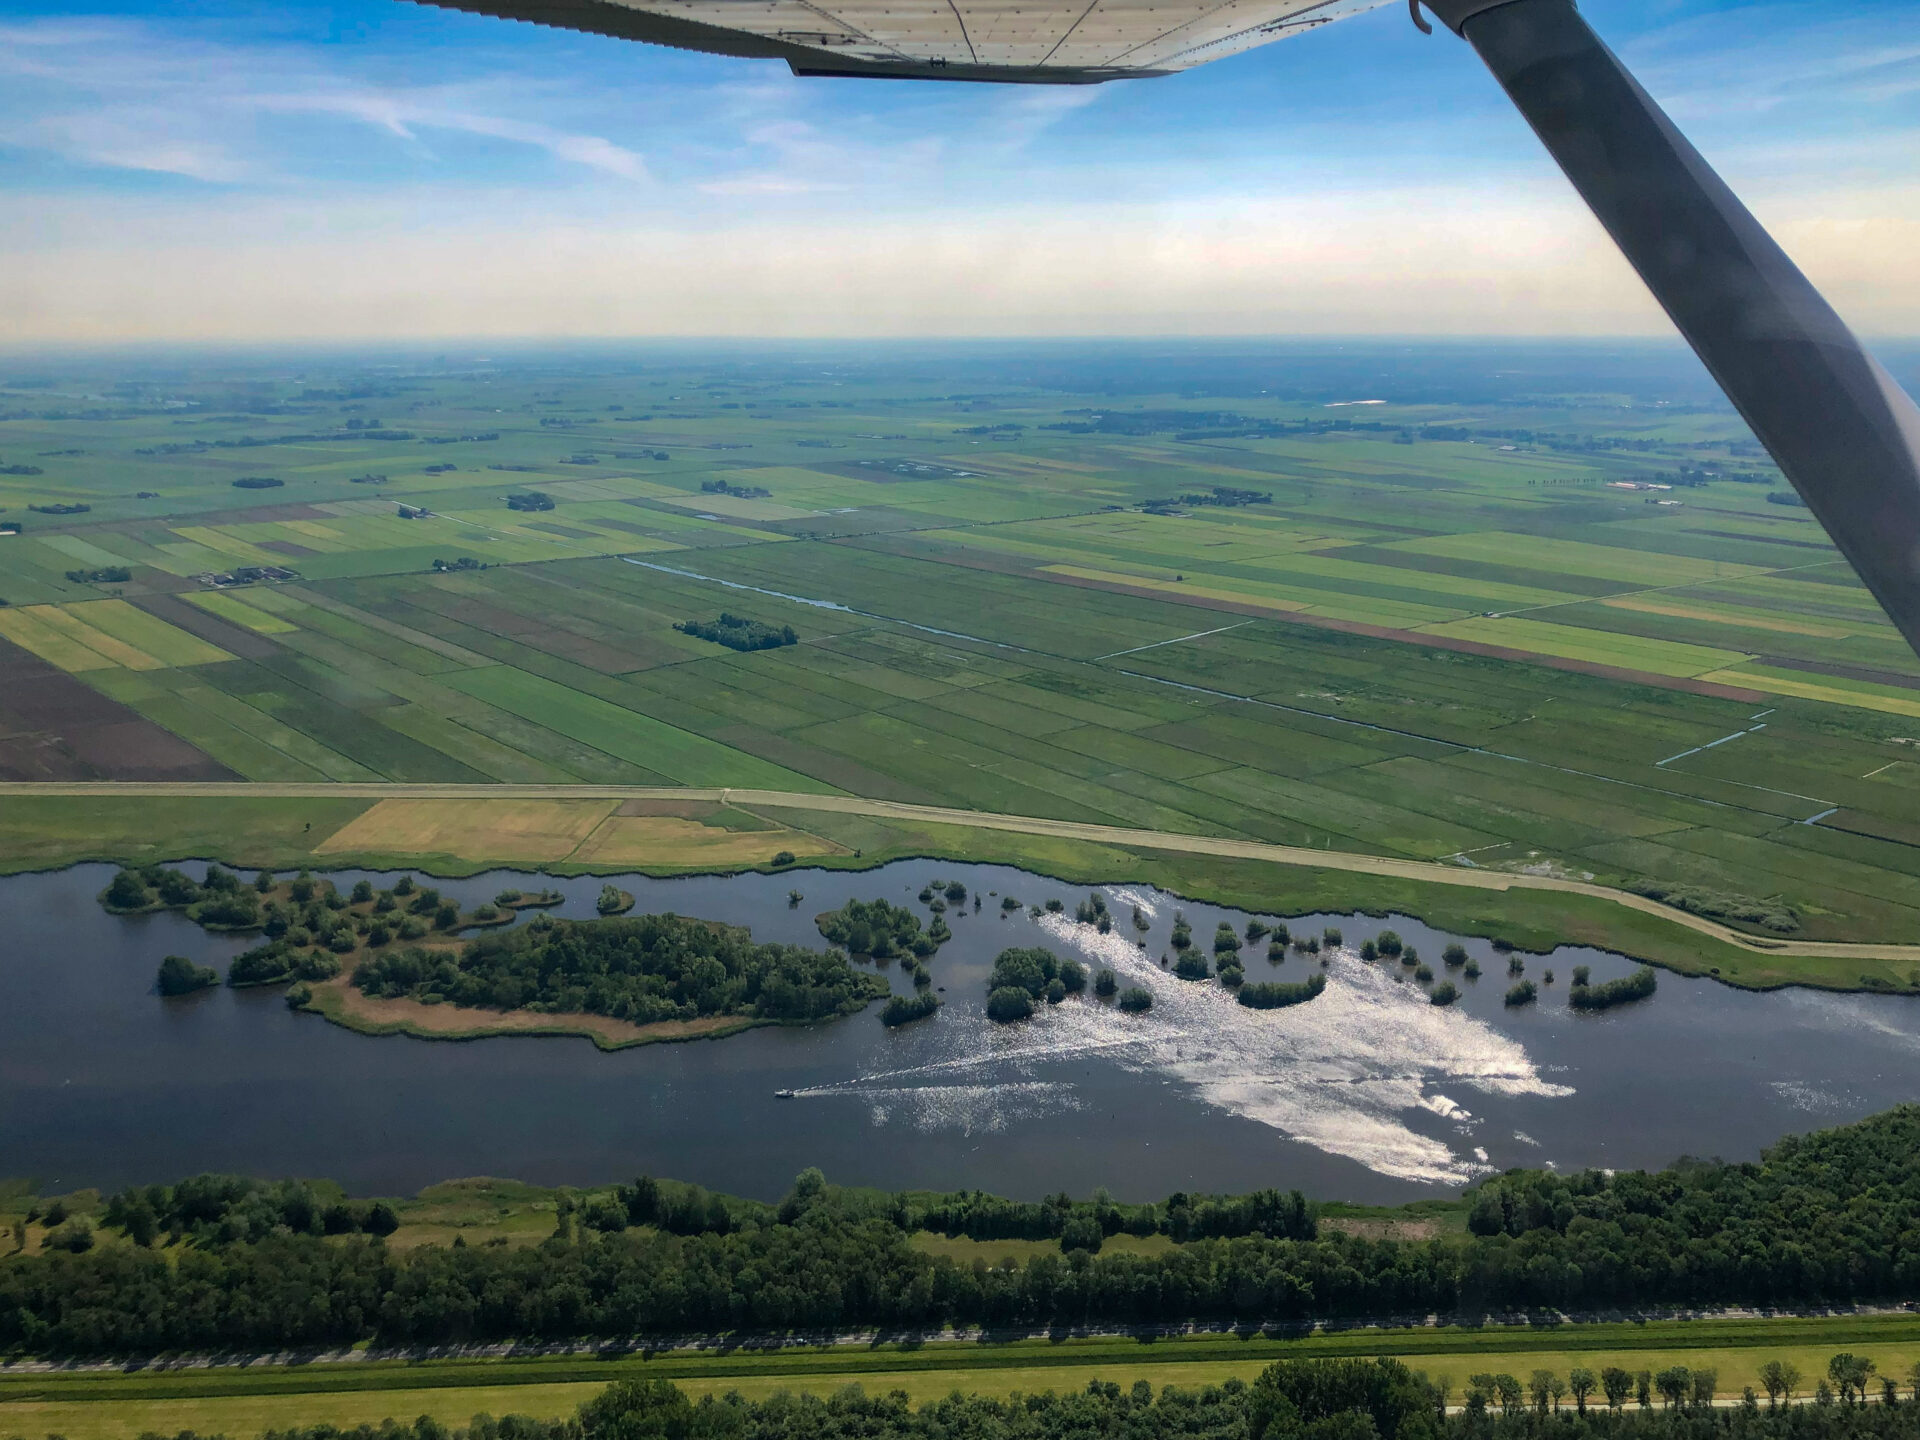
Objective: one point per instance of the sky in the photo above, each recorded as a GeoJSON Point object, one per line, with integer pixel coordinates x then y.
{"type": "Point", "coordinates": [204, 171]}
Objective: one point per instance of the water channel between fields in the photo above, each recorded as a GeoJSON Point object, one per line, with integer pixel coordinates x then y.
{"type": "Point", "coordinates": [1368, 1093]}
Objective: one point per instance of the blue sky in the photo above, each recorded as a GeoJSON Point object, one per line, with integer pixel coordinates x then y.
{"type": "Point", "coordinates": [374, 168]}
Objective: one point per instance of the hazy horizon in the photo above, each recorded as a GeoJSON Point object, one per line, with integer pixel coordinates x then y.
{"type": "Point", "coordinates": [369, 171]}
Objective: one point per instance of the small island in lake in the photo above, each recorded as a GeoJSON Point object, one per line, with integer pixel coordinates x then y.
{"type": "Point", "coordinates": [391, 962]}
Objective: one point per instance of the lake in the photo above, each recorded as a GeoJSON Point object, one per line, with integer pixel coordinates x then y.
{"type": "Point", "coordinates": [1368, 1093]}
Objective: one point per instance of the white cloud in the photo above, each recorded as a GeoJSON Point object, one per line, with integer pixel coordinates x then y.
{"type": "Point", "coordinates": [121, 96]}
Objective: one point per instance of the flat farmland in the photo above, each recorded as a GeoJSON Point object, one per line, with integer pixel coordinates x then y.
{"type": "Point", "coordinates": [1582, 639]}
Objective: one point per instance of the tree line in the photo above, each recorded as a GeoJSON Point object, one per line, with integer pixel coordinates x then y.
{"type": "Point", "coordinates": [1824, 1219]}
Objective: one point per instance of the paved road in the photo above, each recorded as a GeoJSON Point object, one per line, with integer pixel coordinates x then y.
{"type": "Point", "coordinates": [1166, 840]}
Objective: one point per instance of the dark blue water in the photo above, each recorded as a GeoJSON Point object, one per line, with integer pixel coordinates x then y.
{"type": "Point", "coordinates": [1367, 1093]}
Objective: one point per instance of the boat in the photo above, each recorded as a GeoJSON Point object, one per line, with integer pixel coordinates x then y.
{"type": "Point", "coordinates": [785, 1095]}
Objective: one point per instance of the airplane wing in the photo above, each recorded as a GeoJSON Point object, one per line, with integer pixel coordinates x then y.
{"type": "Point", "coordinates": [1079, 42]}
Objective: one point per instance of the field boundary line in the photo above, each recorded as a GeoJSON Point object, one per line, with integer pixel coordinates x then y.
{"type": "Point", "coordinates": [1428, 871]}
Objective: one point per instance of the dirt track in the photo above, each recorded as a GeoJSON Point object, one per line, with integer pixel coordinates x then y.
{"type": "Point", "coordinates": [1425, 870]}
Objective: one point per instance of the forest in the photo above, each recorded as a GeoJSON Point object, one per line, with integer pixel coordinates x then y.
{"type": "Point", "coordinates": [643, 969]}
{"type": "Point", "coordinates": [1822, 1219]}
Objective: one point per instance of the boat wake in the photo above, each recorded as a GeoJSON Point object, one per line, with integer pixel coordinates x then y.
{"type": "Point", "coordinates": [1352, 1073]}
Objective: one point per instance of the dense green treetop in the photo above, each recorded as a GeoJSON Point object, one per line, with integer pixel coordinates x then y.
{"type": "Point", "coordinates": [1825, 1219]}
{"type": "Point", "coordinates": [642, 969]}
{"type": "Point", "coordinates": [876, 928]}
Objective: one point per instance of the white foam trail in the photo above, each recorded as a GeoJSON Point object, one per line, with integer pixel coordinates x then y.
{"type": "Point", "coordinates": [972, 1109]}
{"type": "Point", "coordinates": [1807, 1097]}
{"type": "Point", "coordinates": [1348, 1073]}
{"type": "Point", "coordinates": [1840, 1012]}
{"type": "Point", "coordinates": [1272, 1066]}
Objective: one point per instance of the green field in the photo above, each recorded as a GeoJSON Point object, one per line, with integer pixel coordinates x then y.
{"type": "Point", "coordinates": [1451, 633]}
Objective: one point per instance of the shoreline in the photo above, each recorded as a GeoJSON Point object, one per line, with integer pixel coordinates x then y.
{"type": "Point", "coordinates": [1535, 913]}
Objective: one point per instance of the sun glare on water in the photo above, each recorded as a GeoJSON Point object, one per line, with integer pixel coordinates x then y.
{"type": "Point", "coordinates": [1346, 1073]}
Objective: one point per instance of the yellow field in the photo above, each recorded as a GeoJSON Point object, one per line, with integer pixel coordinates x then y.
{"type": "Point", "coordinates": [166, 644]}
{"type": "Point", "coordinates": [1730, 615]}
{"type": "Point", "coordinates": [1631, 652]}
{"type": "Point", "coordinates": [736, 506]}
{"type": "Point", "coordinates": [26, 629]}
{"type": "Point", "coordinates": [526, 831]}
{"type": "Point", "coordinates": [1867, 697]}
{"type": "Point", "coordinates": [231, 608]}
{"type": "Point", "coordinates": [240, 1416]}
{"type": "Point", "coordinates": [104, 634]}
{"type": "Point", "coordinates": [1577, 557]}
{"type": "Point", "coordinates": [540, 831]}
{"type": "Point", "coordinates": [670, 840]}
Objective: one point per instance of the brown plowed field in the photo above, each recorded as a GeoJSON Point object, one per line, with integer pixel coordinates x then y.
{"type": "Point", "coordinates": [208, 627]}
{"type": "Point", "coordinates": [53, 727]}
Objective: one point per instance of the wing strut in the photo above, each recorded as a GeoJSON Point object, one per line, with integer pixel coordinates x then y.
{"type": "Point", "coordinates": [1835, 422]}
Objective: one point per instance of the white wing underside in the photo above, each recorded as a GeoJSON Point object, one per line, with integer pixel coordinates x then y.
{"type": "Point", "coordinates": [1017, 40]}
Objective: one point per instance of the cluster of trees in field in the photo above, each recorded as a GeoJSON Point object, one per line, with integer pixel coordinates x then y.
{"type": "Point", "coordinates": [737, 632]}
{"type": "Point", "coordinates": [1821, 1219]}
{"type": "Point", "coordinates": [642, 969]}
{"type": "Point", "coordinates": [108, 575]}
{"type": "Point", "coordinates": [1225, 495]}
{"type": "Point", "coordinates": [1291, 1400]}
{"type": "Point", "coordinates": [882, 930]}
